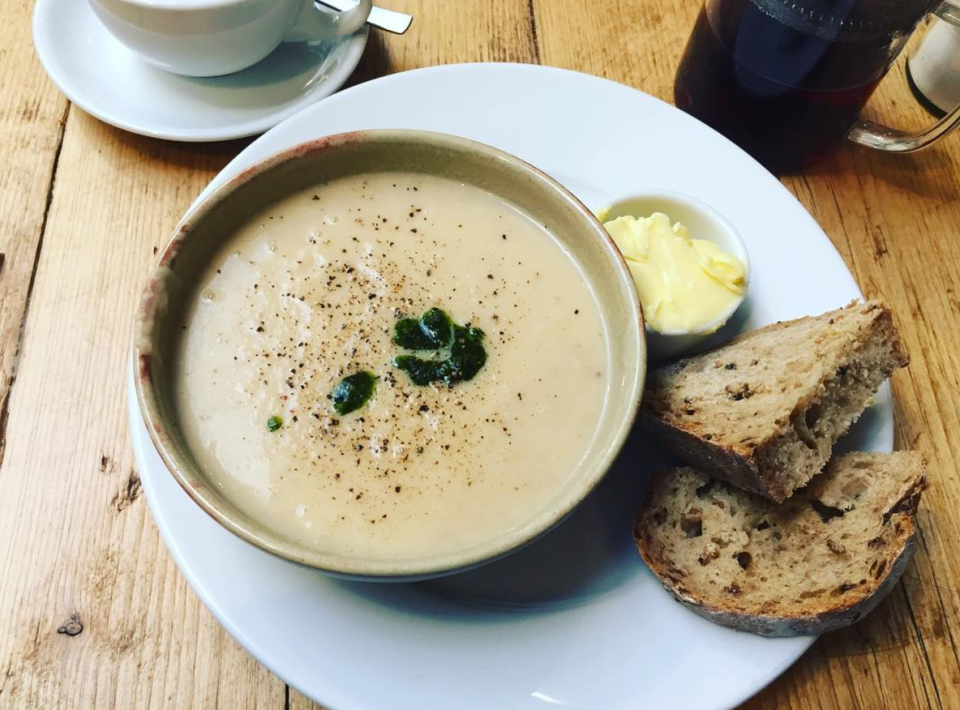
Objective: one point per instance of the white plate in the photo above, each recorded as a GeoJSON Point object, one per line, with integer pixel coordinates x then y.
{"type": "Point", "coordinates": [107, 80]}
{"type": "Point", "coordinates": [574, 620]}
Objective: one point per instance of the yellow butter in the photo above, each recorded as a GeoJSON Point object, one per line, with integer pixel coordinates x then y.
{"type": "Point", "coordinates": [685, 284]}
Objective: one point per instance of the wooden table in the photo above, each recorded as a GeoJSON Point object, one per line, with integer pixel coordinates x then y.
{"type": "Point", "coordinates": [93, 612]}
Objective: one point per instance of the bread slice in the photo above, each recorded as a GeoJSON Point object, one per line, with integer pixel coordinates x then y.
{"type": "Point", "coordinates": [818, 562]}
{"type": "Point", "coordinates": [765, 410]}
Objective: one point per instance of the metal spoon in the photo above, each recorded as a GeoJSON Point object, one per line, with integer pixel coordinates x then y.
{"type": "Point", "coordinates": [389, 20]}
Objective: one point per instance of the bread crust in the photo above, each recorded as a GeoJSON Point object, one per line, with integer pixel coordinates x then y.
{"type": "Point", "coordinates": [753, 465]}
{"type": "Point", "coordinates": [722, 461]}
{"type": "Point", "coordinates": [828, 617]}
{"type": "Point", "coordinates": [782, 626]}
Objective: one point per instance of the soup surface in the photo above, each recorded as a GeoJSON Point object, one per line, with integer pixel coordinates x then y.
{"type": "Point", "coordinates": [310, 291]}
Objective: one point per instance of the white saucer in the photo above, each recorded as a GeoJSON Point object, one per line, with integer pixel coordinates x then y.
{"type": "Point", "coordinates": [109, 81]}
{"type": "Point", "coordinates": [574, 620]}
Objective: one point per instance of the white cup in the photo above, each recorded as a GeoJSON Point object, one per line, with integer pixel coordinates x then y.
{"type": "Point", "coordinates": [215, 37]}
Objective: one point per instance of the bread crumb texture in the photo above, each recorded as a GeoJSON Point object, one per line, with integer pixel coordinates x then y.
{"type": "Point", "coordinates": [819, 561]}
{"type": "Point", "coordinates": [765, 410]}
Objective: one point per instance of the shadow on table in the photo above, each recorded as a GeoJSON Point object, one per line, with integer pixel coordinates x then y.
{"type": "Point", "coordinates": [920, 173]}
{"type": "Point", "coordinates": [375, 63]}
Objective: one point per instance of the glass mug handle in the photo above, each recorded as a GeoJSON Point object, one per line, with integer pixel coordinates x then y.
{"type": "Point", "coordinates": [893, 140]}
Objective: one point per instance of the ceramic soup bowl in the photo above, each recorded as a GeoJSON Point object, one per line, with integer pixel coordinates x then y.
{"type": "Point", "coordinates": [211, 222]}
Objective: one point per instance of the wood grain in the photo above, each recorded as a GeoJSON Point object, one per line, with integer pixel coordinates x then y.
{"type": "Point", "coordinates": [32, 113]}
{"type": "Point", "coordinates": [78, 540]}
{"type": "Point", "coordinates": [94, 613]}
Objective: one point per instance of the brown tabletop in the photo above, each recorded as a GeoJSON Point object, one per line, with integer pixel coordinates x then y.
{"type": "Point", "coordinates": [84, 206]}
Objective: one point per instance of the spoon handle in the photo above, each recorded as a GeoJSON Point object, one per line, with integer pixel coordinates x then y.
{"type": "Point", "coordinates": [389, 20]}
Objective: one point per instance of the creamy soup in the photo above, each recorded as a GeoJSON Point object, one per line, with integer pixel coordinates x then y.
{"type": "Point", "coordinates": [310, 291]}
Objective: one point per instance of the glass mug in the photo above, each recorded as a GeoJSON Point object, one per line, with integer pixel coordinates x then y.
{"type": "Point", "coordinates": [786, 79]}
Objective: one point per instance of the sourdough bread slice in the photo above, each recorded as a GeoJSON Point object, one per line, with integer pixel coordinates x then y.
{"type": "Point", "coordinates": [765, 410]}
{"type": "Point", "coordinates": [818, 562]}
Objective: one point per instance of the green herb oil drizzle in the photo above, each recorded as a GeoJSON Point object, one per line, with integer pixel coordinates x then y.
{"type": "Point", "coordinates": [435, 331]}
{"type": "Point", "coordinates": [432, 331]}
{"type": "Point", "coordinates": [353, 392]}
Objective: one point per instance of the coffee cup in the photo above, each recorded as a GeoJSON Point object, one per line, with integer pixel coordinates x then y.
{"type": "Point", "coordinates": [216, 37]}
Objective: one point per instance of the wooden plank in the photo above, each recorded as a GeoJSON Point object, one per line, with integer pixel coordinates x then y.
{"type": "Point", "coordinates": [78, 539]}
{"type": "Point", "coordinates": [32, 113]}
{"type": "Point", "coordinates": [893, 218]}
{"type": "Point", "coordinates": [441, 33]}
{"type": "Point", "coordinates": [81, 553]}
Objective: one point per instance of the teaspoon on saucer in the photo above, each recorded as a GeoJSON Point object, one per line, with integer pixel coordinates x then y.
{"type": "Point", "coordinates": [389, 20]}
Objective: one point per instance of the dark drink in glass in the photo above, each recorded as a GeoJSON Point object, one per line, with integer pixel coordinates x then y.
{"type": "Point", "coordinates": [786, 79]}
